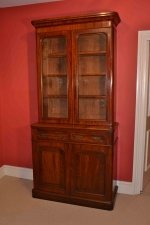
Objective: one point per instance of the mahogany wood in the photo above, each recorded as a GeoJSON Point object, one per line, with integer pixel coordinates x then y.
{"type": "Point", "coordinates": [75, 140]}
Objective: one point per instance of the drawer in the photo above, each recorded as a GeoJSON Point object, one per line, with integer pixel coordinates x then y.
{"type": "Point", "coordinates": [92, 138]}
{"type": "Point", "coordinates": [44, 135]}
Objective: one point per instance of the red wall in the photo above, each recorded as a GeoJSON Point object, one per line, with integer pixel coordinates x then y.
{"type": "Point", "coordinates": [18, 99]}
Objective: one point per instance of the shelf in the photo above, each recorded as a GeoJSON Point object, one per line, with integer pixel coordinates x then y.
{"type": "Point", "coordinates": [57, 115]}
{"type": "Point", "coordinates": [93, 96]}
{"type": "Point", "coordinates": [54, 75]}
{"type": "Point", "coordinates": [92, 74]}
{"type": "Point", "coordinates": [55, 96]}
{"type": "Point", "coordinates": [53, 55]}
{"type": "Point", "coordinates": [92, 53]}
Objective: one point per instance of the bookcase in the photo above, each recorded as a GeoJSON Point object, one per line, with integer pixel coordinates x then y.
{"type": "Point", "coordinates": [75, 139]}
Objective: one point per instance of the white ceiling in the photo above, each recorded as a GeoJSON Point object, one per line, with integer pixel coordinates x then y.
{"type": "Point", "coordinates": [11, 3]}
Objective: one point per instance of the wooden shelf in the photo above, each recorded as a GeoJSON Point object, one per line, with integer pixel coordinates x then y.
{"type": "Point", "coordinates": [55, 96]}
{"type": "Point", "coordinates": [54, 55]}
{"type": "Point", "coordinates": [101, 74]}
{"type": "Point", "coordinates": [92, 53]}
{"type": "Point", "coordinates": [92, 96]}
{"type": "Point", "coordinates": [54, 75]}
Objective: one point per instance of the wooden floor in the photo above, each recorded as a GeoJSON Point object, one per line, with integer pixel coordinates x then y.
{"type": "Point", "coordinates": [17, 207]}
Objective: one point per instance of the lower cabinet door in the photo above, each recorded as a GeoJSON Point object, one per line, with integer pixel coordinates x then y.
{"type": "Point", "coordinates": [49, 159]}
{"type": "Point", "coordinates": [91, 176]}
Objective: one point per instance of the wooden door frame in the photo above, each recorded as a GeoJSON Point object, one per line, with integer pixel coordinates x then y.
{"type": "Point", "coordinates": [141, 110]}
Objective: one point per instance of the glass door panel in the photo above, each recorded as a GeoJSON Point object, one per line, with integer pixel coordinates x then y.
{"type": "Point", "coordinates": [54, 77]}
{"type": "Point", "coordinates": [55, 107]}
{"type": "Point", "coordinates": [93, 64]}
{"type": "Point", "coordinates": [92, 42]}
{"type": "Point", "coordinates": [54, 65]}
{"type": "Point", "coordinates": [86, 84]}
{"type": "Point", "coordinates": [54, 85]}
{"type": "Point", "coordinates": [54, 45]}
{"type": "Point", "coordinates": [92, 108]}
{"type": "Point", "coordinates": [92, 76]}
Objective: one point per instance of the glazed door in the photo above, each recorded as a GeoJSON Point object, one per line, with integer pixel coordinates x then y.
{"type": "Point", "coordinates": [50, 162]}
{"type": "Point", "coordinates": [54, 72]}
{"type": "Point", "coordinates": [91, 172]}
{"type": "Point", "coordinates": [93, 71]}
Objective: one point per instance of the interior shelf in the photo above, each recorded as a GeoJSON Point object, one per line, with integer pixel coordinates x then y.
{"type": "Point", "coordinates": [92, 96]}
{"type": "Point", "coordinates": [93, 74]}
{"type": "Point", "coordinates": [54, 55]}
{"type": "Point", "coordinates": [55, 96]}
{"type": "Point", "coordinates": [55, 75]}
{"type": "Point", "coordinates": [92, 53]}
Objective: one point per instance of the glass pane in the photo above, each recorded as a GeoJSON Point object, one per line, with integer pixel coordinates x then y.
{"type": "Point", "coordinates": [54, 77]}
{"type": "Point", "coordinates": [55, 108]}
{"type": "Point", "coordinates": [92, 42]}
{"type": "Point", "coordinates": [91, 108]}
{"type": "Point", "coordinates": [92, 64]}
{"type": "Point", "coordinates": [54, 65]}
{"type": "Point", "coordinates": [54, 45]}
{"type": "Point", "coordinates": [54, 85]}
{"type": "Point", "coordinates": [92, 72]}
{"type": "Point", "coordinates": [92, 85]}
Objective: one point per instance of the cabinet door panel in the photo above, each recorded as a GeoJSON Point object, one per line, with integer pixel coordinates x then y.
{"type": "Point", "coordinates": [92, 69]}
{"type": "Point", "coordinates": [50, 169]}
{"type": "Point", "coordinates": [91, 169]}
{"type": "Point", "coordinates": [55, 77]}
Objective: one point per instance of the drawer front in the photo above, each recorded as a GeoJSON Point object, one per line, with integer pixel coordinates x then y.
{"type": "Point", "coordinates": [92, 138]}
{"type": "Point", "coordinates": [99, 137]}
{"type": "Point", "coordinates": [53, 135]}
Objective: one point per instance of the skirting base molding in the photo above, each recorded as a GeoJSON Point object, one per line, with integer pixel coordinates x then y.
{"type": "Point", "coordinates": [14, 171]}
{"type": "Point", "coordinates": [126, 188]}
{"type": "Point", "coordinates": [26, 173]}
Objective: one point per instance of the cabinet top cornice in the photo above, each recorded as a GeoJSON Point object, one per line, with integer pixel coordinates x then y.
{"type": "Point", "coordinates": [101, 16]}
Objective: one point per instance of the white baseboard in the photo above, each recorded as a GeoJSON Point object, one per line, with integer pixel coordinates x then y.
{"type": "Point", "coordinates": [26, 173]}
{"type": "Point", "coordinates": [14, 171]}
{"type": "Point", "coordinates": [126, 188]}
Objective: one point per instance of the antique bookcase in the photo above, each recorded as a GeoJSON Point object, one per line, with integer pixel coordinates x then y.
{"type": "Point", "coordinates": [74, 142]}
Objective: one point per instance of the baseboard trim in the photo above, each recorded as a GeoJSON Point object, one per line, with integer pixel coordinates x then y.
{"type": "Point", "coordinates": [26, 173]}
{"type": "Point", "coordinates": [14, 171]}
{"type": "Point", "coordinates": [126, 188]}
